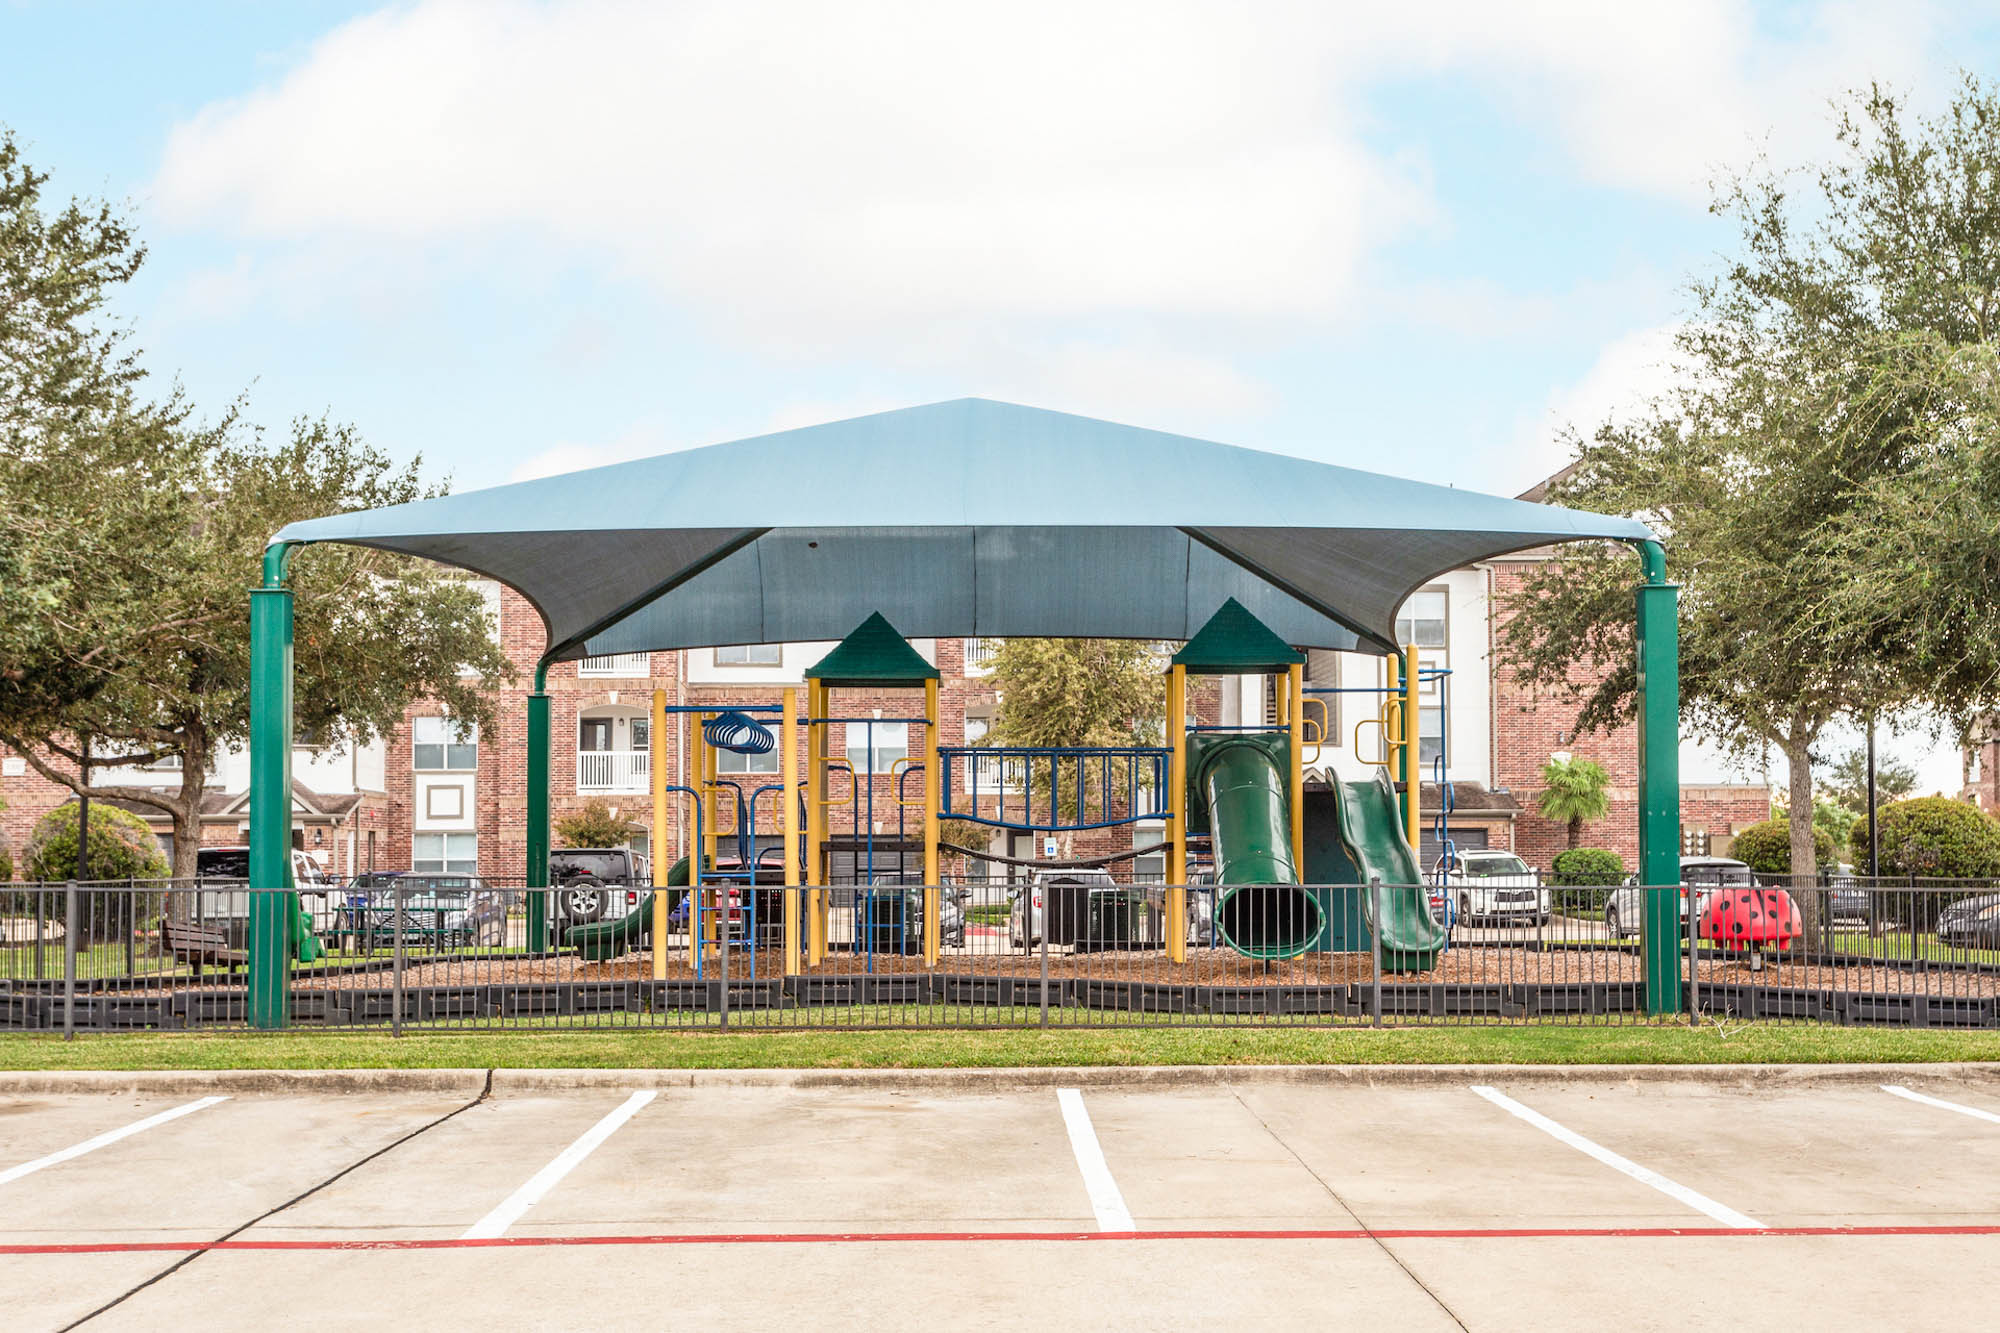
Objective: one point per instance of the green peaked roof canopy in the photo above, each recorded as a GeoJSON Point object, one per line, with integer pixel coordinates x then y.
{"type": "Point", "coordinates": [874, 654]}
{"type": "Point", "coordinates": [1236, 643]}
{"type": "Point", "coordinates": [1121, 533]}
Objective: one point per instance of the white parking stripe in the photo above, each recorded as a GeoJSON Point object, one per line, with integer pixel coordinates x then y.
{"type": "Point", "coordinates": [521, 1200]}
{"type": "Point", "coordinates": [14, 1173]}
{"type": "Point", "coordinates": [1701, 1203]}
{"type": "Point", "coordinates": [1105, 1200]}
{"type": "Point", "coordinates": [1898, 1090]}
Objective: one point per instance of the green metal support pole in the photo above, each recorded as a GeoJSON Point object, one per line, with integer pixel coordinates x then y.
{"type": "Point", "coordinates": [269, 942]}
{"type": "Point", "coordinates": [538, 811]}
{"type": "Point", "coordinates": [1659, 703]}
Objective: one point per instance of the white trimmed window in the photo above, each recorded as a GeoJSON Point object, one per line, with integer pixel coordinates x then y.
{"type": "Point", "coordinates": [1422, 619]}
{"type": "Point", "coordinates": [445, 853]}
{"type": "Point", "coordinates": [729, 761]}
{"type": "Point", "coordinates": [441, 744]}
{"type": "Point", "coordinates": [751, 654]}
{"type": "Point", "coordinates": [891, 742]}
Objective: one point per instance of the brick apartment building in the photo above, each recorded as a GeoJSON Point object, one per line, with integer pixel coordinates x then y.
{"type": "Point", "coordinates": [427, 798]}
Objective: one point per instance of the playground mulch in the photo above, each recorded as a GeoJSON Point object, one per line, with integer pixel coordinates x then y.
{"type": "Point", "coordinates": [1460, 966]}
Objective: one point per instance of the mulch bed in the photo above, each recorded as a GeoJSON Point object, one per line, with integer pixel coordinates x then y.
{"type": "Point", "coordinates": [1458, 966]}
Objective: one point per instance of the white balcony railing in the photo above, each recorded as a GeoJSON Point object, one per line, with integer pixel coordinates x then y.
{"type": "Point", "coordinates": [979, 655]}
{"type": "Point", "coordinates": [613, 770]}
{"type": "Point", "coordinates": [616, 664]}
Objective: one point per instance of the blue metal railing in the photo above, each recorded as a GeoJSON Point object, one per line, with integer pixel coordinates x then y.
{"type": "Point", "coordinates": [1052, 786]}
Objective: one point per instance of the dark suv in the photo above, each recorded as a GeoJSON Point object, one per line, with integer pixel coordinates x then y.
{"type": "Point", "coordinates": [591, 883]}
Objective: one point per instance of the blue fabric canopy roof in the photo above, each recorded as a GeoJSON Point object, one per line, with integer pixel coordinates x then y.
{"type": "Point", "coordinates": [961, 518]}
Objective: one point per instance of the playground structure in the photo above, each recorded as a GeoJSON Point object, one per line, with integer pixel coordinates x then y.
{"type": "Point", "coordinates": [1243, 556]}
{"type": "Point", "coordinates": [1299, 870]}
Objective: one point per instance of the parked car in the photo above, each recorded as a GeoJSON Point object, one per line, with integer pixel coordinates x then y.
{"type": "Point", "coordinates": [1625, 909]}
{"type": "Point", "coordinates": [591, 883]}
{"type": "Point", "coordinates": [438, 912]}
{"type": "Point", "coordinates": [1970, 923]}
{"type": "Point", "coordinates": [222, 900]}
{"type": "Point", "coordinates": [1496, 886]}
{"type": "Point", "coordinates": [1111, 915]}
{"type": "Point", "coordinates": [1849, 903]}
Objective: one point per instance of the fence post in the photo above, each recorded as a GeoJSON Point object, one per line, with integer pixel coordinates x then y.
{"type": "Point", "coordinates": [1375, 947]}
{"type": "Point", "coordinates": [1694, 964]}
{"type": "Point", "coordinates": [69, 961]}
{"type": "Point", "coordinates": [129, 920]}
{"type": "Point", "coordinates": [1045, 955]}
{"type": "Point", "coordinates": [724, 934]}
{"type": "Point", "coordinates": [396, 968]}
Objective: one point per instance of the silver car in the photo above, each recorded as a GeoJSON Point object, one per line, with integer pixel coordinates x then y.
{"type": "Point", "coordinates": [1701, 876]}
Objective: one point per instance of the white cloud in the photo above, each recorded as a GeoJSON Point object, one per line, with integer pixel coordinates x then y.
{"type": "Point", "coordinates": [642, 440]}
{"type": "Point", "coordinates": [1630, 372]}
{"type": "Point", "coordinates": [799, 168]}
{"type": "Point", "coordinates": [919, 184]}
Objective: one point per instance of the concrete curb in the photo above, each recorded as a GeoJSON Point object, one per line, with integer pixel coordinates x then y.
{"type": "Point", "coordinates": [1168, 1077]}
{"type": "Point", "coordinates": [465, 1083]}
{"type": "Point", "coordinates": [470, 1083]}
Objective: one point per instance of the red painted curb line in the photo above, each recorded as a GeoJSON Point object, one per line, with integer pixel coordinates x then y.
{"type": "Point", "coordinates": [961, 1237]}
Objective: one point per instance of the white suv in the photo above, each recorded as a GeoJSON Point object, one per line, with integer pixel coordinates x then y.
{"type": "Point", "coordinates": [1496, 886]}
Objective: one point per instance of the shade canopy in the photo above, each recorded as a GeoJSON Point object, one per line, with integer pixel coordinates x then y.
{"type": "Point", "coordinates": [962, 518]}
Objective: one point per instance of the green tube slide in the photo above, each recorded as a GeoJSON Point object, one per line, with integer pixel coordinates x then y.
{"type": "Point", "coordinates": [599, 940]}
{"type": "Point", "coordinates": [1261, 910]}
{"type": "Point", "coordinates": [1240, 795]}
{"type": "Point", "coordinates": [1371, 830]}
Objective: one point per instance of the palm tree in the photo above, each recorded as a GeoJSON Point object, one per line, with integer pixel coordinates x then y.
{"type": "Point", "coordinates": [1573, 793]}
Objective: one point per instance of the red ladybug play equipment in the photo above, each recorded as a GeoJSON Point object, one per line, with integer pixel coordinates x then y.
{"type": "Point", "coordinates": [1747, 918]}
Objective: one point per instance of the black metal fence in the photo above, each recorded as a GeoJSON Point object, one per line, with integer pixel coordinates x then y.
{"type": "Point", "coordinates": [1079, 950]}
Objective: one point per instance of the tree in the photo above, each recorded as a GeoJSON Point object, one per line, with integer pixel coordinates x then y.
{"type": "Point", "coordinates": [132, 534]}
{"type": "Point", "coordinates": [1574, 793]}
{"type": "Point", "coordinates": [1847, 784]}
{"type": "Point", "coordinates": [1108, 693]}
{"type": "Point", "coordinates": [1809, 470]}
{"type": "Point", "coordinates": [593, 825]}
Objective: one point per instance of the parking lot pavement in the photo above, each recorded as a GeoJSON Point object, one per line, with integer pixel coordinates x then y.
{"type": "Point", "coordinates": [196, 1176]}
{"type": "Point", "coordinates": [1493, 1201]}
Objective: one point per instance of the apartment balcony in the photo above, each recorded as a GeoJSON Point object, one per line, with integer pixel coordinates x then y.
{"type": "Point", "coordinates": [629, 665]}
{"type": "Point", "coordinates": [979, 655]}
{"type": "Point", "coordinates": [603, 772]}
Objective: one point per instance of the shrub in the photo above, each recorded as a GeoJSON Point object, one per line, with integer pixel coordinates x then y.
{"type": "Point", "coordinates": [593, 825]}
{"type": "Point", "coordinates": [1767, 847]}
{"type": "Point", "coordinates": [121, 846]}
{"type": "Point", "coordinates": [1587, 867]}
{"type": "Point", "coordinates": [1933, 836]}
{"type": "Point", "coordinates": [6, 863]}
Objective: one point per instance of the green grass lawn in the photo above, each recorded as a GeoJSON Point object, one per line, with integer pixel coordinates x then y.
{"type": "Point", "coordinates": [1898, 945]}
{"type": "Point", "coordinates": [1762, 1044]}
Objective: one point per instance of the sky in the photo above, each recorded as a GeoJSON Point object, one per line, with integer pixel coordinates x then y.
{"type": "Point", "coordinates": [516, 239]}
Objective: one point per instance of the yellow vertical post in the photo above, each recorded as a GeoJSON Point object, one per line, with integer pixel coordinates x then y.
{"type": "Point", "coordinates": [658, 741]}
{"type": "Point", "coordinates": [1295, 719]}
{"type": "Point", "coordinates": [1413, 729]}
{"type": "Point", "coordinates": [816, 816]}
{"type": "Point", "coordinates": [1176, 923]}
{"type": "Point", "coordinates": [788, 823]}
{"type": "Point", "coordinates": [933, 893]}
{"type": "Point", "coordinates": [703, 852]}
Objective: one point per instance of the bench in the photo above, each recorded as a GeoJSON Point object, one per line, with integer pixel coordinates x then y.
{"type": "Point", "coordinates": [190, 942]}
